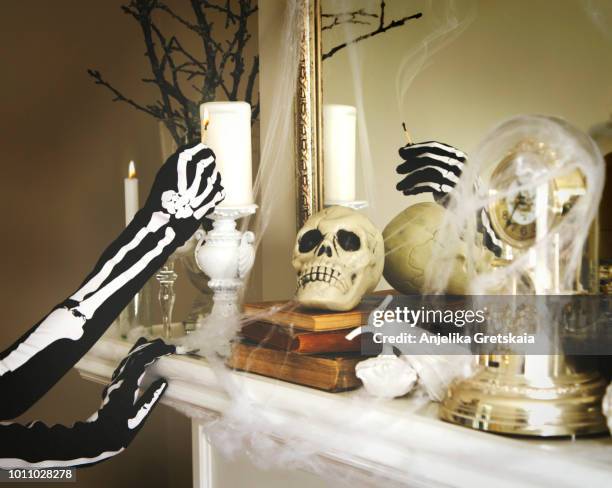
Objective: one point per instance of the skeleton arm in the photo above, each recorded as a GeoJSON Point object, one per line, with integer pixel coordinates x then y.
{"type": "Point", "coordinates": [186, 189]}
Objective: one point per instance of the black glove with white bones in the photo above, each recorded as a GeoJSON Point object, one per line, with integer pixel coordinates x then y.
{"type": "Point", "coordinates": [434, 167]}
{"type": "Point", "coordinates": [105, 434]}
{"type": "Point", "coordinates": [430, 167]}
{"type": "Point", "coordinates": [186, 189]}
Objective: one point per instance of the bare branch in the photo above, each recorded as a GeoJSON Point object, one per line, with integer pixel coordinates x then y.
{"type": "Point", "coordinates": [146, 26]}
{"type": "Point", "coordinates": [174, 68]}
{"type": "Point", "coordinates": [379, 30]}
{"type": "Point", "coordinates": [250, 85]}
{"type": "Point", "coordinates": [173, 89]}
{"type": "Point", "coordinates": [212, 75]}
{"type": "Point", "coordinates": [255, 112]}
{"type": "Point", "coordinates": [242, 36]}
{"type": "Point", "coordinates": [231, 17]}
{"type": "Point", "coordinates": [382, 14]}
{"type": "Point", "coordinates": [178, 18]}
{"type": "Point", "coordinates": [119, 97]}
{"type": "Point", "coordinates": [355, 17]}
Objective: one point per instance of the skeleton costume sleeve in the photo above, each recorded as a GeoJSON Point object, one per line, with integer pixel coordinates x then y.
{"type": "Point", "coordinates": [434, 167]}
{"type": "Point", "coordinates": [186, 189]}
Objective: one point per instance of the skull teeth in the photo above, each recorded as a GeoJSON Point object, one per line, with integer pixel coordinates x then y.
{"type": "Point", "coordinates": [323, 274]}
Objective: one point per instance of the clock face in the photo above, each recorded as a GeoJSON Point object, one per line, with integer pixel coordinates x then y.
{"type": "Point", "coordinates": [514, 218]}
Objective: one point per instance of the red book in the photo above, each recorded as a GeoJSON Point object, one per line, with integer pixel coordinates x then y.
{"type": "Point", "coordinates": [300, 341]}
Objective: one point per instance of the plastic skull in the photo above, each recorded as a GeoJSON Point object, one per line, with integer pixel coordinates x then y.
{"type": "Point", "coordinates": [339, 257]}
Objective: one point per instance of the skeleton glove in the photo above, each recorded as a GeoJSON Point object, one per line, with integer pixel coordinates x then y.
{"type": "Point", "coordinates": [430, 167]}
{"type": "Point", "coordinates": [186, 189]}
{"type": "Point", "coordinates": [434, 167]}
{"type": "Point", "coordinates": [106, 433]}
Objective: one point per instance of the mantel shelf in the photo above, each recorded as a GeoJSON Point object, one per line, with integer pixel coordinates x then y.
{"type": "Point", "coordinates": [398, 439]}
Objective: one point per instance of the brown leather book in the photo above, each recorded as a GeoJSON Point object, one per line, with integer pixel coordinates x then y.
{"type": "Point", "coordinates": [329, 372]}
{"type": "Point", "coordinates": [298, 340]}
{"type": "Point", "coordinates": [290, 314]}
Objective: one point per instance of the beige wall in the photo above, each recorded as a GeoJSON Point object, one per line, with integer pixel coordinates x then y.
{"type": "Point", "coordinates": [515, 57]}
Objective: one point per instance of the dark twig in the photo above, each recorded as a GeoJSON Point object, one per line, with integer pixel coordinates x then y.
{"type": "Point", "coordinates": [119, 97]}
{"type": "Point", "coordinates": [231, 17]}
{"type": "Point", "coordinates": [252, 76]}
{"type": "Point", "coordinates": [356, 18]}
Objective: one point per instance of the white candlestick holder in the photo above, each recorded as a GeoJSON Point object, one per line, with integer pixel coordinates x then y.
{"type": "Point", "coordinates": [226, 255]}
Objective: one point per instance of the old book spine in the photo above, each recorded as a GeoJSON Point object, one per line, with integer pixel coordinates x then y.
{"type": "Point", "coordinates": [329, 374]}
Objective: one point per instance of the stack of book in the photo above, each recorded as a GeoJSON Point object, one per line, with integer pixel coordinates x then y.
{"type": "Point", "coordinates": [301, 346]}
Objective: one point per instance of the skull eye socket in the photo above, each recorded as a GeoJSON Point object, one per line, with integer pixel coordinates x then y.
{"type": "Point", "coordinates": [310, 240]}
{"type": "Point", "coordinates": [349, 241]}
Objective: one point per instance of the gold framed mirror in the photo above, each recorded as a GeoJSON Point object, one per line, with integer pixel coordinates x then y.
{"type": "Point", "coordinates": [308, 118]}
{"type": "Point", "coordinates": [356, 21]}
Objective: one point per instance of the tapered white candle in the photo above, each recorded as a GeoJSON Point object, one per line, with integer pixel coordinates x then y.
{"type": "Point", "coordinates": [130, 187]}
{"type": "Point", "coordinates": [226, 129]}
{"type": "Point", "coordinates": [339, 126]}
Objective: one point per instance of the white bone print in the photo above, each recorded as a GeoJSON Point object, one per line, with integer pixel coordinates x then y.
{"type": "Point", "coordinates": [89, 306]}
{"type": "Point", "coordinates": [158, 220]}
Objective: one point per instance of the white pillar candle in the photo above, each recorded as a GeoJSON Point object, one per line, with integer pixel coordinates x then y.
{"type": "Point", "coordinates": [130, 188]}
{"type": "Point", "coordinates": [228, 134]}
{"type": "Point", "coordinates": [339, 126]}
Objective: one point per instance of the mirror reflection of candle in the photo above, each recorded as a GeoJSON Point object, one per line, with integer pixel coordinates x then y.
{"type": "Point", "coordinates": [130, 187]}
{"type": "Point", "coordinates": [339, 127]}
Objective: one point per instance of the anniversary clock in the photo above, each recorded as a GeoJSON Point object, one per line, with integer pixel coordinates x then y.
{"type": "Point", "coordinates": [543, 186]}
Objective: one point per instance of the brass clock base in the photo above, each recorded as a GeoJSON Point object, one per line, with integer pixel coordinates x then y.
{"type": "Point", "coordinates": [499, 400]}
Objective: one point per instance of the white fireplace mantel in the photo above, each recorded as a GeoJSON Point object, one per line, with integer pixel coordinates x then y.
{"type": "Point", "coordinates": [394, 439]}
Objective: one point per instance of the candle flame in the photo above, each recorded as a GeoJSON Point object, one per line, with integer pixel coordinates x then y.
{"type": "Point", "coordinates": [205, 119]}
{"type": "Point", "coordinates": [131, 170]}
